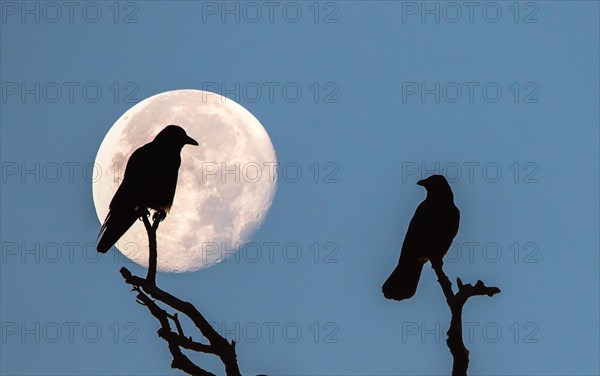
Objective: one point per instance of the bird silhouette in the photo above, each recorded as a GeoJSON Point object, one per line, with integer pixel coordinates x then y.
{"type": "Point", "coordinates": [149, 182]}
{"type": "Point", "coordinates": [429, 235]}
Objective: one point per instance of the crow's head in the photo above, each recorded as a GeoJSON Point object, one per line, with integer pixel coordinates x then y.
{"type": "Point", "coordinates": [174, 135]}
{"type": "Point", "coordinates": [436, 184]}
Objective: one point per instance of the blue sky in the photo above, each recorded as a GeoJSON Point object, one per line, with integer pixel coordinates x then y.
{"type": "Point", "coordinates": [504, 101]}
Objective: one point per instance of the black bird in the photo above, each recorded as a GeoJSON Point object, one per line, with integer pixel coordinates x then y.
{"type": "Point", "coordinates": [150, 181]}
{"type": "Point", "coordinates": [429, 235]}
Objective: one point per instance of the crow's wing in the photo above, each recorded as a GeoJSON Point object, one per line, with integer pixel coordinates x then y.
{"type": "Point", "coordinates": [123, 209]}
{"type": "Point", "coordinates": [138, 176]}
{"type": "Point", "coordinates": [429, 234]}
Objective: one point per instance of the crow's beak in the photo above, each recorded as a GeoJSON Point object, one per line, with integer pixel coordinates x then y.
{"type": "Point", "coordinates": [191, 141]}
{"type": "Point", "coordinates": [421, 182]}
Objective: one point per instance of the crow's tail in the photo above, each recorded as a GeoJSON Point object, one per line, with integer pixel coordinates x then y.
{"type": "Point", "coordinates": [115, 225]}
{"type": "Point", "coordinates": [402, 283]}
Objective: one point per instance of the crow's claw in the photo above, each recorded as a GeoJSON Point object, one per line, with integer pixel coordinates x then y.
{"type": "Point", "coordinates": [159, 215]}
{"type": "Point", "coordinates": [142, 211]}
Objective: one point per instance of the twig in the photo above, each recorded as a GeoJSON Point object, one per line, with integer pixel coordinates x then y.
{"type": "Point", "coordinates": [180, 360]}
{"type": "Point", "coordinates": [456, 302]}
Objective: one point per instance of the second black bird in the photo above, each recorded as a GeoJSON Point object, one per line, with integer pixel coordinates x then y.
{"type": "Point", "coordinates": [430, 234]}
{"type": "Point", "coordinates": [149, 182]}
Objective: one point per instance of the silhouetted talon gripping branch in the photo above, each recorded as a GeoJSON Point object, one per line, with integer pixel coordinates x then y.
{"type": "Point", "coordinates": [149, 182]}
{"type": "Point", "coordinates": [159, 215]}
{"type": "Point", "coordinates": [429, 235]}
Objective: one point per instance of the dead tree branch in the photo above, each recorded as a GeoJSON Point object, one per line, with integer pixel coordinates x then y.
{"type": "Point", "coordinates": [146, 288]}
{"type": "Point", "coordinates": [456, 302]}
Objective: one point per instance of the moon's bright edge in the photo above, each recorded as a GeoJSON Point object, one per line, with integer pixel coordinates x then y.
{"type": "Point", "coordinates": [225, 187]}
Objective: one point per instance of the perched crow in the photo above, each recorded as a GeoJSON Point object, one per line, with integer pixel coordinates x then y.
{"type": "Point", "coordinates": [429, 235]}
{"type": "Point", "coordinates": [150, 181]}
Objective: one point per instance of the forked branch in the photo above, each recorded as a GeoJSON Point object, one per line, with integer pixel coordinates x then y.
{"type": "Point", "coordinates": [456, 302]}
{"type": "Point", "coordinates": [146, 288]}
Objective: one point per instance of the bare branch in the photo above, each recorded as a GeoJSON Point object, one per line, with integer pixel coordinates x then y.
{"type": "Point", "coordinates": [437, 264]}
{"type": "Point", "coordinates": [180, 360]}
{"type": "Point", "coordinates": [151, 230]}
{"type": "Point", "coordinates": [456, 302]}
{"type": "Point", "coordinates": [147, 288]}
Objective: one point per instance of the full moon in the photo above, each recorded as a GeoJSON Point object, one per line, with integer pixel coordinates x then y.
{"type": "Point", "coordinates": [225, 186]}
